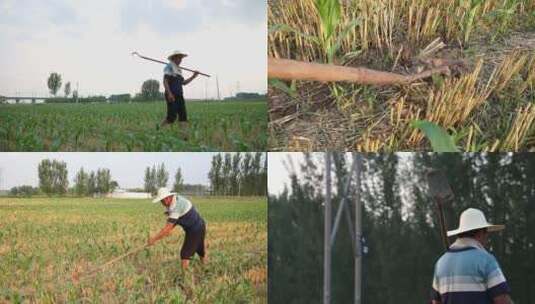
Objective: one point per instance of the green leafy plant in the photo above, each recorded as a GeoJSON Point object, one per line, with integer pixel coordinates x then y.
{"type": "Point", "coordinates": [440, 140]}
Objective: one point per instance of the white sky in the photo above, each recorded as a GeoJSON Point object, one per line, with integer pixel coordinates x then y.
{"type": "Point", "coordinates": [90, 42]}
{"type": "Point", "coordinates": [18, 168]}
{"type": "Point", "coordinates": [278, 174]}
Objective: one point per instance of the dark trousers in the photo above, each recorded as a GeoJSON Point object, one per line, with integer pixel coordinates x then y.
{"type": "Point", "coordinates": [193, 243]}
{"type": "Point", "coordinates": [176, 108]}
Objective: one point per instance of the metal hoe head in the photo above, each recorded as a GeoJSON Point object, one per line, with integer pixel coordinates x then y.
{"type": "Point", "coordinates": [439, 187]}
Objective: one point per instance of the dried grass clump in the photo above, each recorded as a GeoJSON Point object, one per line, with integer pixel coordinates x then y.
{"type": "Point", "coordinates": [520, 128]}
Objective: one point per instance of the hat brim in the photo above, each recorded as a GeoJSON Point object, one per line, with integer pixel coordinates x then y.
{"type": "Point", "coordinates": [490, 228]}
{"type": "Point", "coordinates": [159, 198]}
{"type": "Point", "coordinates": [179, 54]}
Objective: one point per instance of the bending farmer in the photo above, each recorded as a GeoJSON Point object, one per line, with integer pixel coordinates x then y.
{"type": "Point", "coordinates": [467, 273]}
{"type": "Point", "coordinates": [181, 212]}
{"type": "Point", "coordinates": [173, 82]}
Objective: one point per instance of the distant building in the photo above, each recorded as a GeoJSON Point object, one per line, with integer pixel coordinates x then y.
{"type": "Point", "coordinates": [121, 193]}
{"type": "Point", "coordinates": [246, 96]}
{"type": "Point", "coordinates": [14, 100]}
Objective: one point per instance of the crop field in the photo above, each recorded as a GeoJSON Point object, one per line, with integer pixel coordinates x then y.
{"type": "Point", "coordinates": [483, 103]}
{"type": "Point", "coordinates": [47, 244]}
{"type": "Point", "coordinates": [214, 126]}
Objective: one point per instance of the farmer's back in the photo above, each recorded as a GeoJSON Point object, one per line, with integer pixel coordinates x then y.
{"type": "Point", "coordinates": [468, 275]}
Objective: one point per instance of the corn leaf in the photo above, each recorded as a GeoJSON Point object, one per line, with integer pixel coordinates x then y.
{"type": "Point", "coordinates": [440, 140]}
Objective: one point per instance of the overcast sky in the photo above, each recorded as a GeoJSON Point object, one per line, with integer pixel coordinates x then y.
{"type": "Point", "coordinates": [278, 174]}
{"type": "Point", "coordinates": [90, 42]}
{"type": "Point", "coordinates": [127, 169]}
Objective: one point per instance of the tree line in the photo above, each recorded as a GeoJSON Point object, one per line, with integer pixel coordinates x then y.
{"type": "Point", "coordinates": [238, 174]}
{"type": "Point", "coordinates": [53, 180]}
{"type": "Point", "coordinates": [150, 90]}
{"type": "Point", "coordinates": [157, 177]}
{"type": "Point", "coordinates": [400, 225]}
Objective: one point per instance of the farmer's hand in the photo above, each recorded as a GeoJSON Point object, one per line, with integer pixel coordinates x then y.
{"type": "Point", "coordinates": [171, 96]}
{"type": "Point", "coordinates": [195, 73]}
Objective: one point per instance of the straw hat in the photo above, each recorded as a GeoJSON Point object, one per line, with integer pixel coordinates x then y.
{"type": "Point", "coordinates": [162, 193]}
{"type": "Point", "coordinates": [177, 53]}
{"type": "Point", "coordinates": [472, 219]}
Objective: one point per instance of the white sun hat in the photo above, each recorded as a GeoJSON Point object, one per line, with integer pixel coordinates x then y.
{"type": "Point", "coordinates": [175, 53]}
{"type": "Point", "coordinates": [472, 219]}
{"type": "Point", "coordinates": [162, 193]}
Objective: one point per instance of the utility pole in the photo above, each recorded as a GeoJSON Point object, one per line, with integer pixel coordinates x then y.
{"type": "Point", "coordinates": [358, 230]}
{"type": "Point", "coordinates": [217, 82]}
{"type": "Point", "coordinates": [205, 90]}
{"type": "Point", "coordinates": [327, 233]}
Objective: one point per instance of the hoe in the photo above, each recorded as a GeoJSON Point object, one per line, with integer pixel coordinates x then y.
{"type": "Point", "coordinates": [440, 191]}
{"type": "Point", "coordinates": [163, 62]}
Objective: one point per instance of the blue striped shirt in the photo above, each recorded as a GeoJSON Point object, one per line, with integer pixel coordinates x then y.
{"type": "Point", "coordinates": [468, 275]}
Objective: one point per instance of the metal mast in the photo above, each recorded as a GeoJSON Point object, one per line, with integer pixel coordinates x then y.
{"type": "Point", "coordinates": [327, 234]}
{"type": "Point", "coordinates": [358, 231]}
{"type": "Point", "coordinates": [331, 230]}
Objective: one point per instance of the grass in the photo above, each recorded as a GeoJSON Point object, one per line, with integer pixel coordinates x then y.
{"type": "Point", "coordinates": [484, 104]}
{"type": "Point", "coordinates": [228, 126]}
{"type": "Point", "coordinates": [43, 240]}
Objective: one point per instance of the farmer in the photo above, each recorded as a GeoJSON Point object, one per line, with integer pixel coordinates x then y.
{"type": "Point", "coordinates": [181, 212]}
{"type": "Point", "coordinates": [467, 273]}
{"type": "Point", "coordinates": [173, 82]}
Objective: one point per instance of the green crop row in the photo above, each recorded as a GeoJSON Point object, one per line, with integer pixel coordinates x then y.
{"type": "Point", "coordinates": [214, 126]}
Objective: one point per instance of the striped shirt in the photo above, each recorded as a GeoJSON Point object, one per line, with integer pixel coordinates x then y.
{"type": "Point", "coordinates": [181, 212]}
{"type": "Point", "coordinates": [179, 206]}
{"type": "Point", "coordinates": [468, 274]}
{"type": "Point", "coordinates": [172, 69]}
{"type": "Point", "coordinates": [173, 76]}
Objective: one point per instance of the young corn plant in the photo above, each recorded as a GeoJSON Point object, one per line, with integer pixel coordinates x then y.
{"type": "Point", "coordinates": [329, 12]}
{"type": "Point", "coordinates": [440, 140]}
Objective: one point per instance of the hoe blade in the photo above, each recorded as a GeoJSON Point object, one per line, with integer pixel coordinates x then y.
{"type": "Point", "coordinates": [439, 187]}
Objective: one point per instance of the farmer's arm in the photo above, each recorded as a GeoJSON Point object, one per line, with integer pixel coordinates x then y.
{"type": "Point", "coordinates": [163, 233]}
{"type": "Point", "coordinates": [435, 302]}
{"type": "Point", "coordinates": [195, 74]}
{"type": "Point", "coordinates": [503, 299]}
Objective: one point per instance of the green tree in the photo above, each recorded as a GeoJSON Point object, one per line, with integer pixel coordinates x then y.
{"type": "Point", "coordinates": [92, 184]}
{"type": "Point", "coordinates": [103, 181]}
{"type": "Point", "coordinates": [178, 186]}
{"type": "Point", "coordinates": [235, 175]}
{"type": "Point", "coordinates": [81, 183]}
{"type": "Point", "coordinates": [246, 180]}
{"type": "Point", "coordinates": [162, 176]}
{"type": "Point", "coordinates": [23, 191]}
{"type": "Point", "coordinates": [46, 178]}
{"type": "Point", "coordinates": [54, 83]}
{"type": "Point", "coordinates": [151, 180]}
{"type": "Point", "coordinates": [113, 185]}
{"type": "Point", "coordinates": [226, 174]}
{"type": "Point", "coordinates": [67, 89]}
{"type": "Point", "coordinates": [256, 170]}
{"type": "Point", "coordinates": [216, 175]}
{"type": "Point", "coordinates": [53, 177]}
{"type": "Point", "coordinates": [150, 89]}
